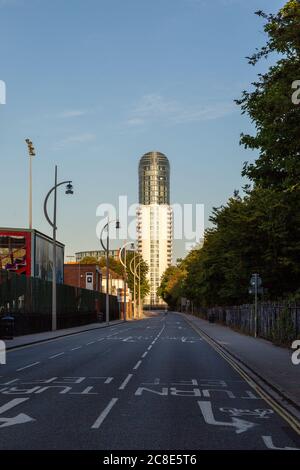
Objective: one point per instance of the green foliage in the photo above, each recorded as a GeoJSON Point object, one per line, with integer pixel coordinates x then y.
{"type": "Point", "coordinates": [114, 264]}
{"type": "Point", "coordinates": [171, 287]}
{"type": "Point", "coordinates": [270, 105]}
{"type": "Point", "coordinates": [89, 260]}
{"type": "Point", "coordinates": [143, 270]}
{"type": "Point", "coordinates": [259, 231]}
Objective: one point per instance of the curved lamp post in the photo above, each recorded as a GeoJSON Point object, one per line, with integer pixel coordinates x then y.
{"type": "Point", "coordinates": [135, 274]}
{"type": "Point", "coordinates": [106, 249]}
{"type": "Point", "coordinates": [69, 190]}
{"type": "Point", "coordinates": [124, 264]}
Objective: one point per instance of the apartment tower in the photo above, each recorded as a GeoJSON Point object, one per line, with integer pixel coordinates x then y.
{"type": "Point", "coordinates": [154, 219]}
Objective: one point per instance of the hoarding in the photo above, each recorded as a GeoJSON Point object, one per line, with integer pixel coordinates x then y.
{"type": "Point", "coordinates": [15, 251]}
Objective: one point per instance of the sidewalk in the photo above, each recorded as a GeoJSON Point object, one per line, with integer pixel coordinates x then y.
{"type": "Point", "coordinates": [272, 363]}
{"type": "Point", "coordinates": [26, 340]}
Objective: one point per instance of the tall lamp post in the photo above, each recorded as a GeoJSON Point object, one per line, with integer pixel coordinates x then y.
{"type": "Point", "coordinates": [139, 278]}
{"type": "Point", "coordinates": [31, 153]}
{"type": "Point", "coordinates": [133, 272]}
{"type": "Point", "coordinates": [69, 190]}
{"type": "Point", "coordinates": [124, 264]}
{"type": "Point", "coordinates": [106, 249]}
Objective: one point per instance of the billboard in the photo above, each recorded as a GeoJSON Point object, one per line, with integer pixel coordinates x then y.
{"type": "Point", "coordinates": [15, 251]}
{"type": "Point", "coordinates": [30, 253]}
{"type": "Point", "coordinates": [43, 259]}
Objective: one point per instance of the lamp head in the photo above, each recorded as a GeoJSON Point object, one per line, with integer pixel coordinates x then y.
{"type": "Point", "coordinates": [69, 188]}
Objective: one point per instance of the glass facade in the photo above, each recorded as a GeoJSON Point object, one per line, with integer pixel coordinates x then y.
{"type": "Point", "coordinates": [154, 179]}
{"type": "Point", "coordinates": [154, 227]}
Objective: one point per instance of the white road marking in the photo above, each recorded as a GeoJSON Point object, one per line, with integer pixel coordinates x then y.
{"type": "Point", "coordinates": [240, 424]}
{"type": "Point", "coordinates": [149, 347]}
{"type": "Point", "coordinates": [145, 354]}
{"type": "Point", "coordinates": [11, 382]}
{"type": "Point", "coordinates": [104, 414]}
{"type": "Point", "coordinates": [78, 347]}
{"type": "Point", "coordinates": [27, 367]}
{"type": "Point", "coordinates": [19, 419]}
{"type": "Point", "coordinates": [91, 342]}
{"type": "Point", "coordinates": [101, 339]}
{"type": "Point", "coordinates": [269, 444]}
{"type": "Point", "coordinates": [123, 385]}
{"type": "Point", "coordinates": [137, 365]}
{"type": "Point", "coordinates": [56, 355]}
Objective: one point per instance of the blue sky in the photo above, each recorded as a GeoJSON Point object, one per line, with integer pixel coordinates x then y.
{"type": "Point", "coordinates": [97, 83]}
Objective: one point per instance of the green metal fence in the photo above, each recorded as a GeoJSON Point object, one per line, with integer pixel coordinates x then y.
{"type": "Point", "coordinates": [29, 301]}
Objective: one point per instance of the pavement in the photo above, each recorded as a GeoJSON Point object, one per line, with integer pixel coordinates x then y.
{"type": "Point", "coordinates": [271, 362]}
{"type": "Point", "coordinates": [25, 340]}
{"type": "Point", "coordinates": [151, 384]}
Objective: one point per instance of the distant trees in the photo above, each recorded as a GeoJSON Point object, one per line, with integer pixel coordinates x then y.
{"type": "Point", "coordinates": [258, 231]}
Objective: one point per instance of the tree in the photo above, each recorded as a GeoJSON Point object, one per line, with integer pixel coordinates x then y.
{"type": "Point", "coordinates": [89, 260]}
{"type": "Point", "coordinates": [170, 289]}
{"type": "Point", "coordinates": [270, 105]}
{"type": "Point", "coordinates": [144, 268]}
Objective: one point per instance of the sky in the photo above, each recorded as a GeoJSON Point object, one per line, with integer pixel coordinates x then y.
{"type": "Point", "coordinates": [97, 83]}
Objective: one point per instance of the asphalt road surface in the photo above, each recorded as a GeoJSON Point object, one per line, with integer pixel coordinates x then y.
{"type": "Point", "coordinates": [149, 384]}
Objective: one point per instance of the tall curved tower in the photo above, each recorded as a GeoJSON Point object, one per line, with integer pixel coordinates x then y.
{"type": "Point", "coordinates": [154, 179]}
{"type": "Point", "coordinates": [155, 220]}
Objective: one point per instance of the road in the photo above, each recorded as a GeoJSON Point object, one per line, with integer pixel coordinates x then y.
{"type": "Point", "coordinates": [148, 384]}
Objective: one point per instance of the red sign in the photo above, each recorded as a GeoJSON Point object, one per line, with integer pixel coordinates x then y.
{"type": "Point", "coordinates": [15, 252]}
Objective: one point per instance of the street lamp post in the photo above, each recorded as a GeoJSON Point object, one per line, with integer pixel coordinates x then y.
{"type": "Point", "coordinates": [106, 249]}
{"type": "Point", "coordinates": [139, 265]}
{"type": "Point", "coordinates": [133, 272]}
{"type": "Point", "coordinates": [31, 153]}
{"type": "Point", "coordinates": [69, 190]}
{"type": "Point", "coordinates": [124, 264]}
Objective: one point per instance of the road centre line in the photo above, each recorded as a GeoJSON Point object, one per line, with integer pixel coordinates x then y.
{"type": "Point", "coordinates": [91, 342]}
{"type": "Point", "coordinates": [104, 414]}
{"type": "Point", "coordinates": [124, 384]}
{"type": "Point", "coordinates": [75, 349]}
{"type": "Point", "coordinates": [145, 354]}
{"type": "Point", "coordinates": [56, 355]}
{"type": "Point", "coordinates": [137, 365]}
{"type": "Point", "coordinates": [27, 367]}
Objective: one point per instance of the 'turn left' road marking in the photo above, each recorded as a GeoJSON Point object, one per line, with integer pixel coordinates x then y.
{"type": "Point", "coordinates": [27, 367]}
{"type": "Point", "coordinates": [104, 414]}
{"type": "Point", "coordinates": [19, 419]}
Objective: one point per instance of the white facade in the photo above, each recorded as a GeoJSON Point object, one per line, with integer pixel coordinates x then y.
{"type": "Point", "coordinates": [154, 231]}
